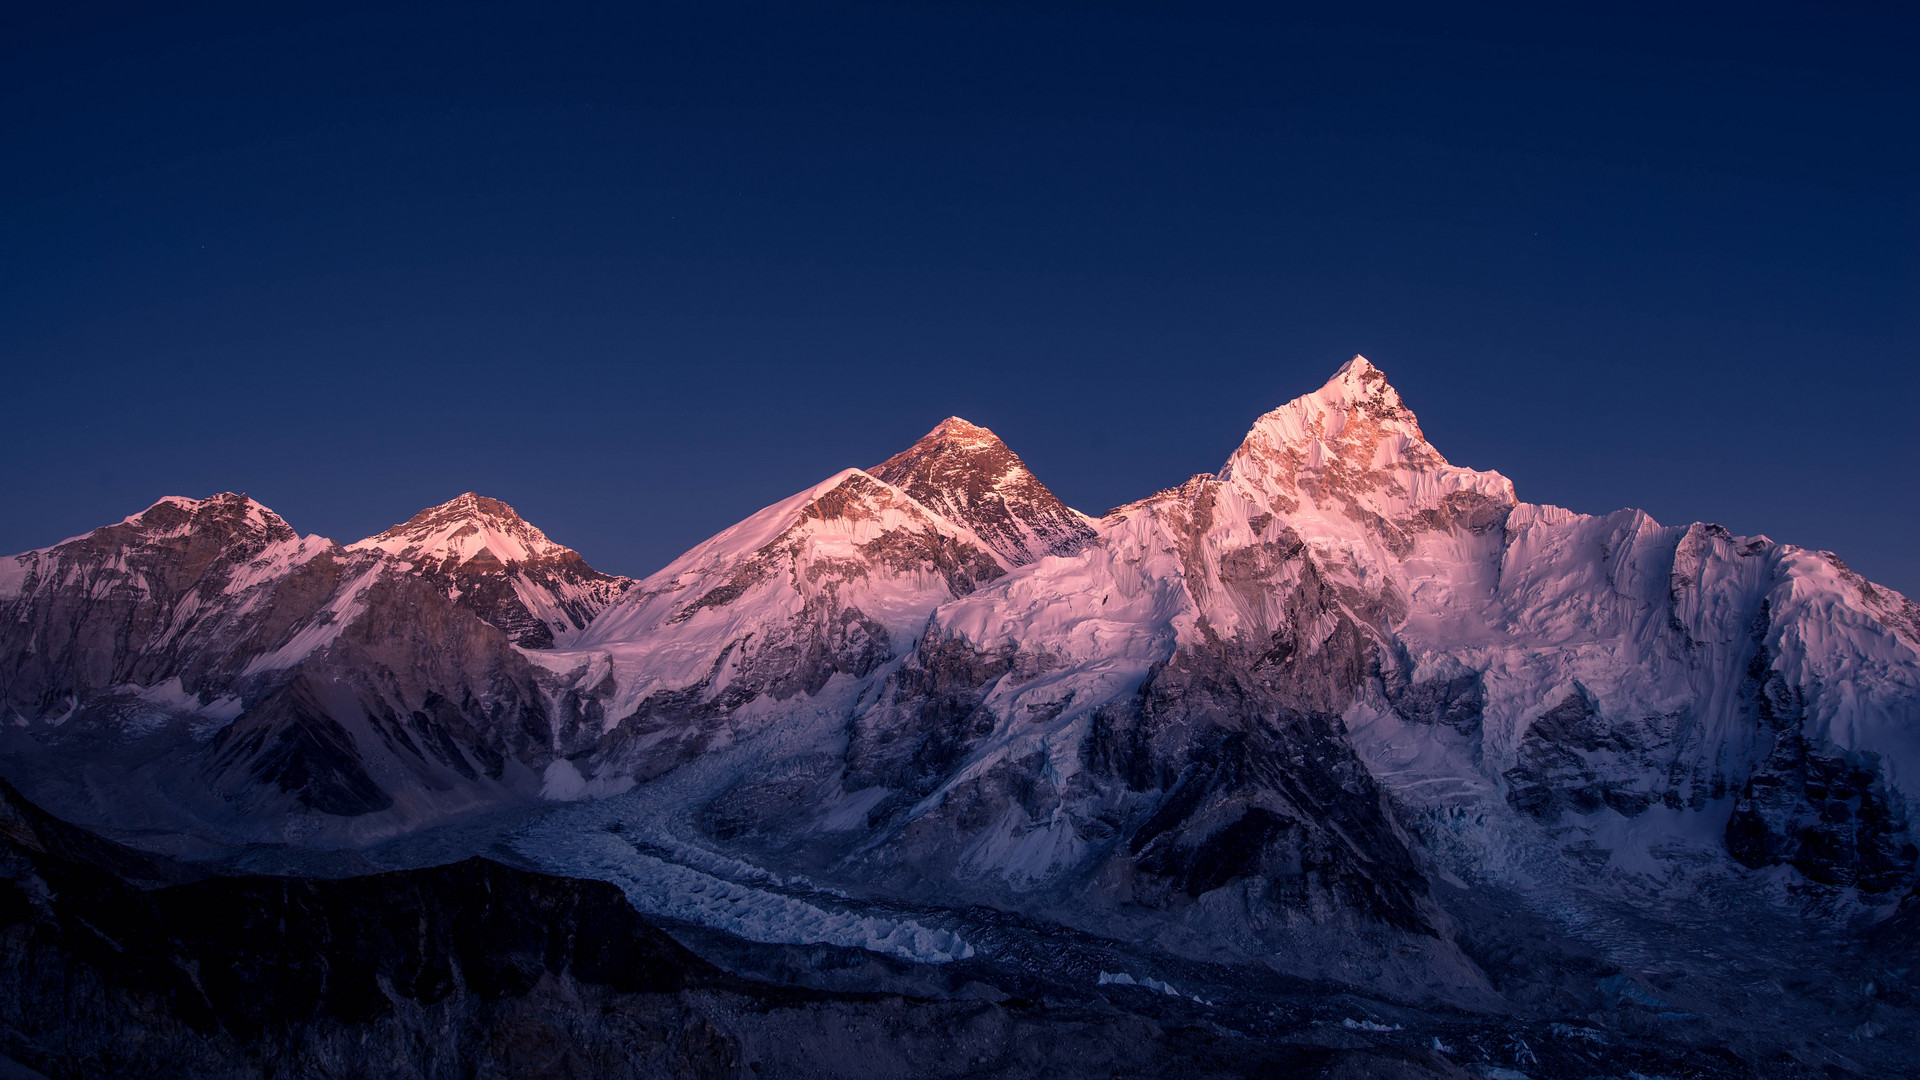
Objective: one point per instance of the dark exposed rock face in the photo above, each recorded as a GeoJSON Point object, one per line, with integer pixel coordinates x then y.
{"type": "Point", "coordinates": [1826, 815]}
{"type": "Point", "coordinates": [292, 742]}
{"type": "Point", "coordinates": [188, 590]}
{"type": "Point", "coordinates": [1245, 788]}
{"type": "Point", "coordinates": [1457, 701]}
{"type": "Point", "coordinates": [1571, 759]}
{"type": "Point", "coordinates": [300, 678]}
{"type": "Point", "coordinates": [420, 694]}
{"type": "Point", "coordinates": [930, 716]}
{"type": "Point", "coordinates": [1824, 812]}
{"type": "Point", "coordinates": [966, 474]}
{"type": "Point", "coordinates": [1241, 745]}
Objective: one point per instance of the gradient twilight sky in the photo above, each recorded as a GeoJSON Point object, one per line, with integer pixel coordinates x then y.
{"type": "Point", "coordinates": [640, 270]}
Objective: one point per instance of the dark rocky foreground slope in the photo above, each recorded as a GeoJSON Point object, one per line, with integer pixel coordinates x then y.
{"type": "Point", "coordinates": [480, 969]}
{"type": "Point", "coordinates": [116, 963]}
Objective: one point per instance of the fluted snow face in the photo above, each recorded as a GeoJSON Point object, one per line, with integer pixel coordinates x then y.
{"type": "Point", "coordinates": [1337, 485]}
{"type": "Point", "coordinates": [1524, 659]}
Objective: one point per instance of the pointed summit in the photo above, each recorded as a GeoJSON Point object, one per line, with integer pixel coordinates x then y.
{"type": "Point", "coordinates": [956, 429]}
{"type": "Point", "coordinates": [468, 529]}
{"type": "Point", "coordinates": [1350, 458]}
{"type": "Point", "coordinates": [1358, 388]}
{"type": "Point", "coordinates": [965, 473]}
{"type": "Point", "coordinates": [496, 564]}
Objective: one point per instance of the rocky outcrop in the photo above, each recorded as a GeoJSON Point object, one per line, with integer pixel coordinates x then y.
{"type": "Point", "coordinates": [1572, 760]}
{"type": "Point", "coordinates": [1825, 813]}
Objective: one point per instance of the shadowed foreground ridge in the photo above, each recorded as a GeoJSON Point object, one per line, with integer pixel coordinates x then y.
{"type": "Point", "coordinates": [480, 969]}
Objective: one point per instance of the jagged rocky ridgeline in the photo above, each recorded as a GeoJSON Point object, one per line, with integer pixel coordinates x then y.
{"type": "Point", "coordinates": [1260, 717]}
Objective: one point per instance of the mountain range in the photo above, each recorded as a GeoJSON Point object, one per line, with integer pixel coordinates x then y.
{"type": "Point", "coordinates": [1341, 714]}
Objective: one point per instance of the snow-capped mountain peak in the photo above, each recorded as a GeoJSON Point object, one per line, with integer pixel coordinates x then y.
{"type": "Point", "coordinates": [224, 528]}
{"type": "Point", "coordinates": [1342, 711]}
{"type": "Point", "coordinates": [494, 562]}
{"type": "Point", "coordinates": [959, 429]}
{"type": "Point", "coordinates": [228, 512]}
{"type": "Point", "coordinates": [965, 473]}
{"type": "Point", "coordinates": [1349, 459]}
{"type": "Point", "coordinates": [470, 533]}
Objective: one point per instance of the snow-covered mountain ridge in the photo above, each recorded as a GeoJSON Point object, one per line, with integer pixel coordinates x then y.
{"type": "Point", "coordinates": [224, 673]}
{"type": "Point", "coordinates": [1279, 715]}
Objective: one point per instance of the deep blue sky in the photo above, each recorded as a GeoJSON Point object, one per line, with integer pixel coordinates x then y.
{"type": "Point", "coordinates": [640, 270]}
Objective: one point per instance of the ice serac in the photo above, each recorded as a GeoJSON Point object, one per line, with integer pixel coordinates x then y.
{"type": "Point", "coordinates": [489, 560]}
{"type": "Point", "coordinates": [965, 473]}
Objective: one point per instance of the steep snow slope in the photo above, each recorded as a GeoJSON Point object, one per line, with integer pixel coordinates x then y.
{"type": "Point", "coordinates": [834, 581]}
{"type": "Point", "coordinates": [1613, 665]}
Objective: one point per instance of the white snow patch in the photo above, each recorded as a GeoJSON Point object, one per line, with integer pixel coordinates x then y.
{"type": "Point", "coordinates": [562, 782]}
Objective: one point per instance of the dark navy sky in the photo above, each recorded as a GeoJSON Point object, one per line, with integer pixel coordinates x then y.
{"type": "Point", "coordinates": [640, 270]}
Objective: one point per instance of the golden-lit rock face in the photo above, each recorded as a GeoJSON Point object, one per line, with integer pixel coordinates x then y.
{"type": "Point", "coordinates": [966, 474]}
